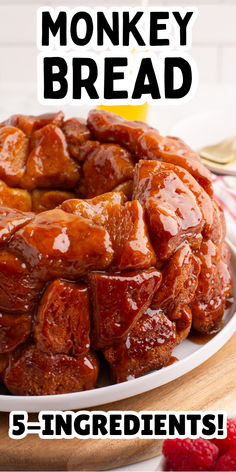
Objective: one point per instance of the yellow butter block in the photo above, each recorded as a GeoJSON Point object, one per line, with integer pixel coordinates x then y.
{"type": "Point", "coordinates": [129, 112]}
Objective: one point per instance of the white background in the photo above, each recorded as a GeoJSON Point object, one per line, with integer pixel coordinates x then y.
{"type": "Point", "coordinates": [214, 36]}
{"type": "Point", "coordinates": [214, 49]}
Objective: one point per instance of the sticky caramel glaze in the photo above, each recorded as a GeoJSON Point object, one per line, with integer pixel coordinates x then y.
{"type": "Point", "coordinates": [108, 127]}
{"type": "Point", "coordinates": [14, 148]}
{"type": "Point", "coordinates": [171, 361]}
{"type": "Point", "coordinates": [76, 133]}
{"type": "Point", "coordinates": [14, 330]}
{"type": "Point", "coordinates": [12, 220]}
{"type": "Point", "coordinates": [218, 230]}
{"type": "Point", "coordinates": [148, 347]}
{"type": "Point", "coordinates": [125, 224]}
{"type": "Point", "coordinates": [49, 163]}
{"type": "Point", "coordinates": [58, 244]}
{"type": "Point", "coordinates": [119, 300]}
{"type": "Point", "coordinates": [229, 302]}
{"type": "Point", "coordinates": [63, 319]}
{"type": "Point", "coordinates": [203, 338]}
{"type": "Point", "coordinates": [43, 200]}
{"type": "Point", "coordinates": [203, 200]}
{"type": "Point", "coordinates": [146, 143]}
{"type": "Point", "coordinates": [214, 287]}
{"type": "Point", "coordinates": [28, 123]}
{"type": "Point", "coordinates": [33, 372]}
{"type": "Point", "coordinates": [180, 280]}
{"type": "Point", "coordinates": [183, 323]}
{"type": "Point", "coordinates": [172, 213]}
{"type": "Point", "coordinates": [20, 289]}
{"type": "Point", "coordinates": [126, 188]}
{"type": "Point", "coordinates": [3, 363]}
{"type": "Point", "coordinates": [15, 198]}
{"type": "Point", "coordinates": [106, 167]}
{"type": "Point", "coordinates": [152, 146]}
{"type": "Point", "coordinates": [209, 208]}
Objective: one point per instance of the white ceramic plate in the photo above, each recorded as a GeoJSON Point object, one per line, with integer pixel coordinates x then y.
{"type": "Point", "coordinates": [190, 355]}
{"type": "Point", "coordinates": [208, 128]}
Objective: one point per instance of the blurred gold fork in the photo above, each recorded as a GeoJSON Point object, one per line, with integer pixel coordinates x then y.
{"type": "Point", "coordinates": [221, 153]}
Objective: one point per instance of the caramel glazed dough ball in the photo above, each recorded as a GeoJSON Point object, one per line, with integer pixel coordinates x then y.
{"type": "Point", "coordinates": [111, 242]}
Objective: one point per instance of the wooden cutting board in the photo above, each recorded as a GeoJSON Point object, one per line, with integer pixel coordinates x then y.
{"type": "Point", "coordinates": [210, 386]}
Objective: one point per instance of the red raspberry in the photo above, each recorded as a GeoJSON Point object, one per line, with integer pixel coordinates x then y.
{"type": "Point", "coordinates": [228, 443]}
{"type": "Point", "coordinates": [227, 461]}
{"type": "Point", "coordinates": [190, 454]}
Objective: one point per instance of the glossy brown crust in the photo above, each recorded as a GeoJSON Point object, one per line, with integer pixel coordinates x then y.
{"type": "Point", "coordinates": [14, 330]}
{"type": "Point", "coordinates": [58, 244]}
{"type": "Point", "coordinates": [179, 282]}
{"type": "Point", "coordinates": [15, 198]}
{"type": "Point", "coordinates": [28, 123]}
{"type": "Point", "coordinates": [125, 224]}
{"type": "Point", "coordinates": [14, 146]}
{"type": "Point", "coordinates": [3, 363]}
{"type": "Point", "coordinates": [63, 319]}
{"type": "Point", "coordinates": [172, 213]}
{"type": "Point", "coordinates": [110, 239]}
{"type": "Point", "coordinates": [204, 201]}
{"type": "Point", "coordinates": [43, 200]}
{"type": "Point", "coordinates": [11, 220]}
{"type": "Point", "coordinates": [106, 167]}
{"type": "Point", "coordinates": [96, 208]}
{"type": "Point", "coordinates": [108, 127]}
{"type": "Point", "coordinates": [76, 133]}
{"type": "Point", "coordinates": [129, 234]}
{"type": "Point", "coordinates": [183, 323]}
{"type": "Point", "coordinates": [152, 146]}
{"type": "Point", "coordinates": [49, 163]}
{"type": "Point", "coordinates": [146, 143]}
{"type": "Point", "coordinates": [119, 300]}
{"type": "Point", "coordinates": [33, 372]}
{"type": "Point", "coordinates": [20, 289]}
{"type": "Point", "coordinates": [126, 188]}
{"type": "Point", "coordinates": [218, 230]}
{"type": "Point", "coordinates": [214, 286]}
{"type": "Point", "coordinates": [148, 347]}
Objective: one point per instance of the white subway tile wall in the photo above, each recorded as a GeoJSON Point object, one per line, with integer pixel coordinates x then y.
{"type": "Point", "coordinates": [214, 36]}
